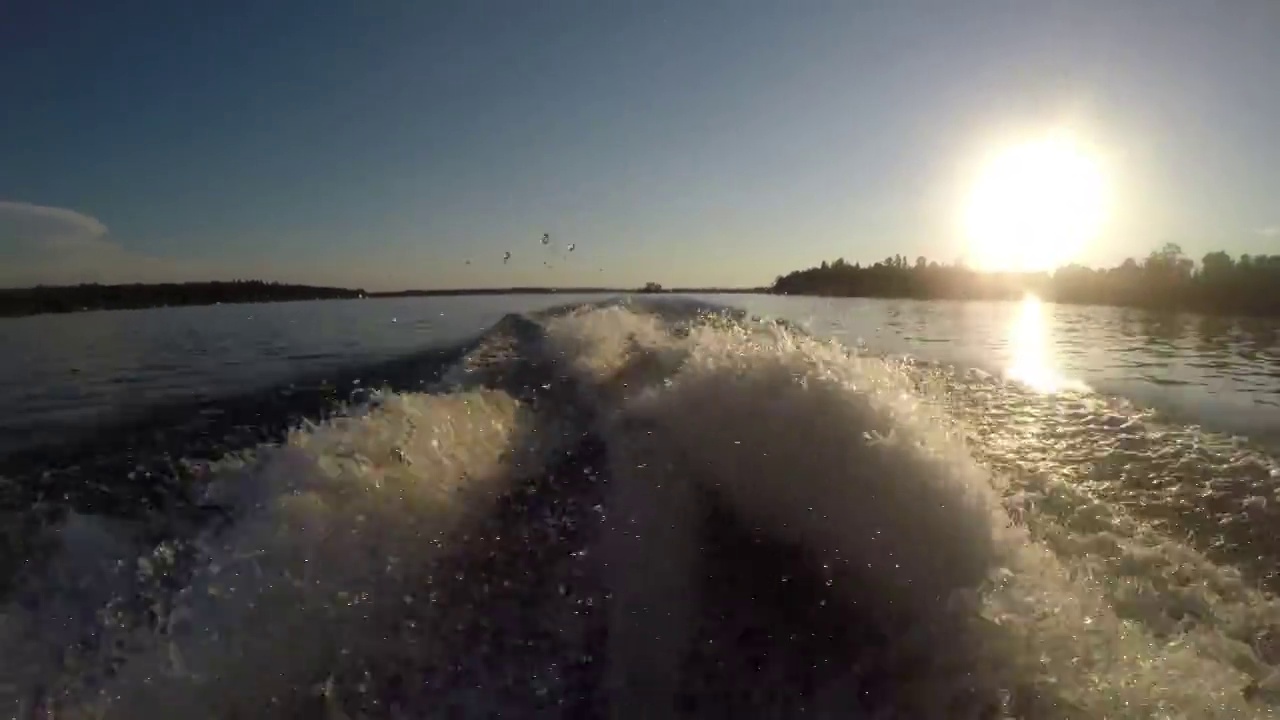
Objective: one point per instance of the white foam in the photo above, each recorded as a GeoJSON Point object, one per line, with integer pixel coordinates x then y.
{"type": "Point", "coordinates": [829, 449]}
{"type": "Point", "coordinates": [606, 347]}
{"type": "Point", "coordinates": [802, 442]}
{"type": "Point", "coordinates": [336, 529]}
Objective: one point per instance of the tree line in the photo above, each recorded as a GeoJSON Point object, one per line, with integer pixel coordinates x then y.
{"type": "Point", "coordinates": [92, 296]}
{"type": "Point", "coordinates": [1166, 279]}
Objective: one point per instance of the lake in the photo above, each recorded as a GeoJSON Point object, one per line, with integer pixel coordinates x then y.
{"type": "Point", "coordinates": [1133, 452]}
{"type": "Point", "coordinates": [66, 373]}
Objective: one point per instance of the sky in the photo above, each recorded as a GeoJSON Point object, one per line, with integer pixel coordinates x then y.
{"type": "Point", "coordinates": [395, 145]}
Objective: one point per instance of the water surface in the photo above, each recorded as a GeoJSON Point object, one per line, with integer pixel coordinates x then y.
{"type": "Point", "coordinates": [1136, 580]}
{"type": "Point", "coordinates": [1222, 373]}
{"type": "Point", "coordinates": [71, 371]}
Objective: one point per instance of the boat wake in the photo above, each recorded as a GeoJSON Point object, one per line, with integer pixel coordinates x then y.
{"type": "Point", "coordinates": [595, 502]}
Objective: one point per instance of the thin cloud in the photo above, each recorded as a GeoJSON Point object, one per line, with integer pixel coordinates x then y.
{"type": "Point", "coordinates": [40, 244]}
{"type": "Point", "coordinates": [36, 226]}
{"type": "Point", "coordinates": [45, 245]}
{"type": "Point", "coordinates": [1270, 231]}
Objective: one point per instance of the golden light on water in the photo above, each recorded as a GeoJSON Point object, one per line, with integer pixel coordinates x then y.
{"type": "Point", "coordinates": [1032, 362]}
{"type": "Point", "coordinates": [1035, 205]}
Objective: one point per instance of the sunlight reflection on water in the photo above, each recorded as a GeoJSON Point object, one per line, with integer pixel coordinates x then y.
{"type": "Point", "coordinates": [1033, 363]}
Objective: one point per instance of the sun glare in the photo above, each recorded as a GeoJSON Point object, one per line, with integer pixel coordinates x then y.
{"type": "Point", "coordinates": [1032, 362]}
{"type": "Point", "coordinates": [1035, 206]}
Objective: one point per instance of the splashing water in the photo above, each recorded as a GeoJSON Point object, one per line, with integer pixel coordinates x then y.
{"type": "Point", "coordinates": [915, 537]}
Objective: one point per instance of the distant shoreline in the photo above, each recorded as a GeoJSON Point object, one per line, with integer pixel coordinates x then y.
{"type": "Point", "coordinates": [882, 281]}
{"type": "Point", "coordinates": [66, 299]}
{"type": "Point", "coordinates": [1165, 281]}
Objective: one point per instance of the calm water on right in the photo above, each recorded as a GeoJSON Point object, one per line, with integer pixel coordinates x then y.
{"type": "Point", "coordinates": [1220, 373]}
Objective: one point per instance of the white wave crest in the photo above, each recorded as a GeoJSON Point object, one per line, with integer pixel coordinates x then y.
{"type": "Point", "coordinates": [336, 534]}
{"type": "Point", "coordinates": [816, 447]}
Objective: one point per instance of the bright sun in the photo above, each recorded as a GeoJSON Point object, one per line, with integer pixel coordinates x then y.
{"type": "Point", "coordinates": [1035, 206]}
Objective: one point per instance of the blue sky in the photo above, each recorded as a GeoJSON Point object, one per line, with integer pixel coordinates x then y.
{"type": "Point", "coordinates": [385, 145]}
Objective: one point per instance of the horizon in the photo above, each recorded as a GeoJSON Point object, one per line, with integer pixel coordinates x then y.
{"type": "Point", "coordinates": [1049, 274]}
{"type": "Point", "coordinates": [413, 148]}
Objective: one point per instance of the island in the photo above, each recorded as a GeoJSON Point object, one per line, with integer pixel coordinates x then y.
{"type": "Point", "coordinates": [1165, 280]}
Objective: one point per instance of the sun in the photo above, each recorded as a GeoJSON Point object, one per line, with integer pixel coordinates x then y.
{"type": "Point", "coordinates": [1035, 206]}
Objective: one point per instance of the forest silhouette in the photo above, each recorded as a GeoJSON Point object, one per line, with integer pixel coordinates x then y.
{"type": "Point", "coordinates": [92, 296]}
{"type": "Point", "coordinates": [1165, 280]}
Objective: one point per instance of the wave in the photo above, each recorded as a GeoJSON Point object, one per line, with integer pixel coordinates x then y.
{"type": "Point", "coordinates": [509, 539]}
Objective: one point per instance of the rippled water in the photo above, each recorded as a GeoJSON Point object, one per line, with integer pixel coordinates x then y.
{"type": "Point", "coordinates": [1174, 417]}
{"type": "Point", "coordinates": [1223, 373]}
{"type": "Point", "coordinates": [62, 372]}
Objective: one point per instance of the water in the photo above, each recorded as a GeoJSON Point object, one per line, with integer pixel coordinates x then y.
{"type": "Point", "coordinates": [1043, 512]}
{"type": "Point", "coordinates": [1223, 373]}
{"type": "Point", "coordinates": [71, 371]}
{"type": "Point", "coordinates": [63, 373]}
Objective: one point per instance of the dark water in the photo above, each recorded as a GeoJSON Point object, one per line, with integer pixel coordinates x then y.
{"type": "Point", "coordinates": [61, 373]}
